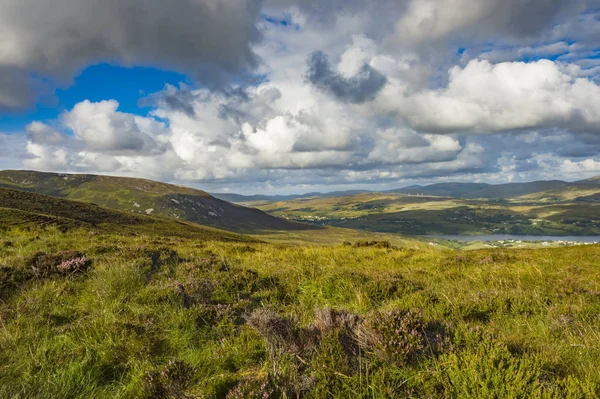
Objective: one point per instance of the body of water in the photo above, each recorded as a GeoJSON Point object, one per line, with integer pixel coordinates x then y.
{"type": "Point", "coordinates": [506, 237]}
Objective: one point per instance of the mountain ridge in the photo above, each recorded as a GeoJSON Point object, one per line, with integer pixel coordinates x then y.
{"type": "Point", "coordinates": [451, 189]}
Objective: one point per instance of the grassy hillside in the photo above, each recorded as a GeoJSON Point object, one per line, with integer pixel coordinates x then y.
{"type": "Point", "coordinates": [397, 213]}
{"type": "Point", "coordinates": [146, 197]}
{"type": "Point", "coordinates": [33, 211]}
{"type": "Point", "coordinates": [109, 315]}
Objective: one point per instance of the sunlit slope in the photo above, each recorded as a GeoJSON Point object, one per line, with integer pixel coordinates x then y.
{"type": "Point", "coordinates": [142, 196]}
{"type": "Point", "coordinates": [31, 210]}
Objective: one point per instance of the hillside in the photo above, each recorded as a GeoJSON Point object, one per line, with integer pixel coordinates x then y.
{"type": "Point", "coordinates": [32, 210]}
{"type": "Point", "coordinates": [147, 197]}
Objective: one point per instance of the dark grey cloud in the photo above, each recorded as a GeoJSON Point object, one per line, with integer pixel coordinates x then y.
{"type": "Point", "coordinates": [12, 151]}
{"type": "Point", "coordinates": [357, 89]}
{"type": "Point", "coordinates": [40, 133]}
{"type": "Point", "coordinates": [580, 146]}
{"type": "Point", "coordinates": [171, 98]}
{"type": "Point", "coordinates": [182, 99]}
{"type": "Point", "coordinates": [377, 17]}
{"type": "Point", "coordinates": [16, 90]}
{"type": "Point", "coordinates": [520, 19]}
{"type": "Point", "coordinates": [180, 102]}
{"type": "Point", "coordinates": [527, 18]}
{"type": "Point", "coordinates": [207, 39]}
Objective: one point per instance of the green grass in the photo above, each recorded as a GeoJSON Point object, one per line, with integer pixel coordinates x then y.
{"type": "Point", "coordinates": [159, 316]}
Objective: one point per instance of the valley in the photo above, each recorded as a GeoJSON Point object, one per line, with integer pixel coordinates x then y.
{"type": "Point", "coordinates": [556, 214]}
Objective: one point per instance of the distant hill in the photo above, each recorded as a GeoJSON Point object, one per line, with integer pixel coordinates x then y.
{"type": "Point", "coordinates": [592, 180]}
{"type": "Point", "coordinates": [456, 190]}
{"type": "Point", "coordinates": [481, 190]}
{"type": "Point", "coordinates": [148, 197]}
{"type": "Point", "coordinates": [27, 209]}
{"type": "Point", "coordinates": [552, 190]}
{"type": "Point", "coordinates": [246, 199]}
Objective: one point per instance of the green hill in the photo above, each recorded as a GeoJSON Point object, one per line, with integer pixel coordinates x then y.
{"type": "Point", "coordinates": [555, 190]}
{"type": "Point", "coordinates": [32, 210]}
{"type": "Point", "coordinates": [142, 196]}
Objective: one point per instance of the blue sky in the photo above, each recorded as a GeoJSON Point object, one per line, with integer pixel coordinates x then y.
{"type": "Point", "coordinates": [96, 83]}
{"type": "Point", "coordinates": [286, 97]}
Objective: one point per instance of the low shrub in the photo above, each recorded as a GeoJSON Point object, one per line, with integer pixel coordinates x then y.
{"type": "Point", "coordinates": [374, 244]}
{"type": "Point", "coordinates": [252, 388]}
{"type": "Point", "coordinates": [281, 333]}
{"type": "Point", "coordinates": [401, 336]}
{"type": "Point", "coordinates": [11, 278]}
{"type": "Point", "coordinates": [491, 371]}
{"type": "Point", "coordinates": [58, 263]}
{"type": "Point", "coordinates": [169, 382]}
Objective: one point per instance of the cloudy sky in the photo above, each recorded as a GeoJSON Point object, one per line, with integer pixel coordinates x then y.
{"type": "Point", "coordinates": [289, 96]}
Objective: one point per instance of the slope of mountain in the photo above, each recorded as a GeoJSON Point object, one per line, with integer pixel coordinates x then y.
{"type": "Point", "coordinates": [27, 209]}
{"type": "Point", "coordinates": [147, 197]}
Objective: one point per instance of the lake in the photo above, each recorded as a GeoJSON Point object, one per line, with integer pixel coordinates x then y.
{"type": "Point", "coordinates": [505, 237]}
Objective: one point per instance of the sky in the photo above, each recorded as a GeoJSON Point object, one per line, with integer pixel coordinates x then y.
{"type": "Point", "coordinates": [293, 96]}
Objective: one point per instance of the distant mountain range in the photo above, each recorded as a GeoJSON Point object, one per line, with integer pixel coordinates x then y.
{"type": "Point", "coordinates": [552, 189]}
{"type": "Point", "coordinates": [147, 197]}
{"type": "Point", "coordinates": [241, 199]}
